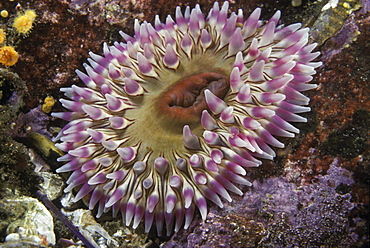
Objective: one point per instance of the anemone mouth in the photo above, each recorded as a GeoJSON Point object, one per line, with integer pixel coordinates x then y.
{"type": "Point", "coordinates": [184, 101]}
{"type": "Point", "coordinates": [159, 120]}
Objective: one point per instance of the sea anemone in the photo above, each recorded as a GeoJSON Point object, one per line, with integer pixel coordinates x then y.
{"type": "Point", "coordinates": [8, 55]}
{"type": "Point", "coordinates": [23, 23]}
{"type": "Point", "coordinates": [175, 114]}
{"type": "Point", "coordinates": [48, 104]}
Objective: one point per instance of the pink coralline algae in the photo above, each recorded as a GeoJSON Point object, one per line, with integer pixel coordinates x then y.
{"type": "Point", "coordinates": [279, 213]}
{"type": "Point", "coordinates": [174, 115]}
{"type": "Point", "coordinates": [309, 215]}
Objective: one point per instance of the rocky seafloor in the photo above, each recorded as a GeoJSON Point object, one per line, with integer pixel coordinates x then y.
{"type": "Point", "coordinates": [314, 194]}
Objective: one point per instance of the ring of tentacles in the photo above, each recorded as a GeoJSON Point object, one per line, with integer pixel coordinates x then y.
{"type": "Point", "coordinates": [175, 114]}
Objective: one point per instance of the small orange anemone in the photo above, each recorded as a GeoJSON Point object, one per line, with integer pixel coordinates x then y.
{"type": "Point", "coordinates": [48, 104]}
{"type": "Point", "coordinates": [23, 22]}
{"type": "Point", "coordinates": [8, 56]}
